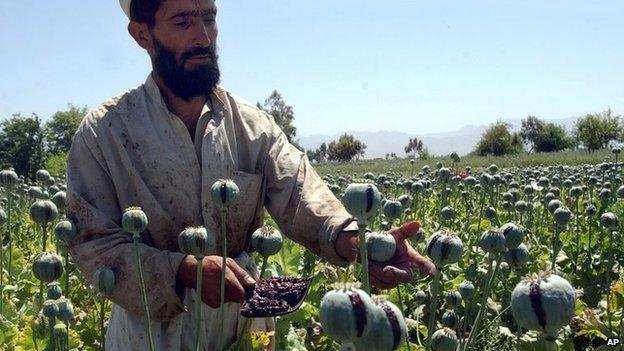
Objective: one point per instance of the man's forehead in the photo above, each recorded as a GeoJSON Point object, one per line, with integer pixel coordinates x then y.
{"type": "Point", "coordinates": [176, 8]}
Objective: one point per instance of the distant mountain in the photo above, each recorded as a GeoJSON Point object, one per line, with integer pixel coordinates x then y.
{"type": "Point", "coordinates": [381, 142]}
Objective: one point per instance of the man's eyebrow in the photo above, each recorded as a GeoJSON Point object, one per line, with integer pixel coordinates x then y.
{"type": "Point", "coordinates": [194, 13]}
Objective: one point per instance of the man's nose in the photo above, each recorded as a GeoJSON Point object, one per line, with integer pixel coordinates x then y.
{"type": "Point", "coordinates": [201, 34]}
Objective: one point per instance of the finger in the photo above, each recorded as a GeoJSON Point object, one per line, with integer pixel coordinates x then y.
{"type": "Point", "coordinates": [394, 274]}
{"type": "Point", "coordinates": [241, 274]}
{"type": "Point", "coordinates": [424, 265]}
{"type": "Point", "coordinates": [234, 291]}
{"type": "Point", "coordinates": [377, 283]}
{"type": "Point", "coordinates": [406, 230]}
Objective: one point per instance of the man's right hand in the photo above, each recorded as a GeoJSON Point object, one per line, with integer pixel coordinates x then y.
{"type": "Point", "coordinates": [236, 279]}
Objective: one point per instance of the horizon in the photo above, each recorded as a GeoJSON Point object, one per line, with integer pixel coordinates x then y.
{"type": "Point", "coordinates": [418, 68]}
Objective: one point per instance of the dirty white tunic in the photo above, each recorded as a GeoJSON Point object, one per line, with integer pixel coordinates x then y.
{"type": "Point", "coordinates": [131, 151]}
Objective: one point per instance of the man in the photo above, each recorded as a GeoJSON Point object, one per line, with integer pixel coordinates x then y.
{"type": "Point", "coordinates": [161, 146]}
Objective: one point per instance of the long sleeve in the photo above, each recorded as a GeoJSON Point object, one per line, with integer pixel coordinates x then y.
{"type": "Point", "coordinates": [300, 201]}
{"type": "Point", "coordinates": [94, 208]}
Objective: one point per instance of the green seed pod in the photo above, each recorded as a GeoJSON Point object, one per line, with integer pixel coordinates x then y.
{"type": "Point", "coordinates": [444, 175]}
{"type": "Point", "coordinates": [492, 241]}
{"type": "Point", "coordinates": [466, 289]}
{"type": "Point", "coordinates": [346, 313]}
{"type": "Point", "coordinates": [514, 234]}
{"type": "Point", "coordinates": [605, 194]}
{"type": "Point", "coordinates": [8, 178]}
{"type": "Point", "coordinates": [553, 205]}
{"type": "Point", "coordinates": [60, 200]}
{"type": "Point", "coordinates": [54, 291]}
{"type": "Point", "coordinates": [406, 200]}
{"type": "Point", "coordinates": [489, 212]}
{"type": "Point", "coordinates": [224, 192]}
{"type": "Point", "coordinates": [65, 231]}
{"type": "Point", "coordinates": [197, 241]}
{"type": "Point", "coordinates": [610, 221]}
{"type": "Point", "coordinates": [517, 257]}
{"type": "Point", "coordinates": [444, 247]}
{"type": "Point", "coordinates": [48, 267]}
{"type": "Point", "coordinates": [104, 280]}
{"type": "Point", "coordinates": [134, 220]}
{"type": "Point", "coordinates": [448, 213]}
{"type": "Point", "coordinates": [42, 176]}
{"type": "Point", "coordinates": [521, 206]}
{"type": "Point", "coordinates": [576, 191]}
{"type": "Point", "coordinates": [381, 246]}
{"type": "Point", "coordinates": [444, 340]}
{"type": "Point", "coordinates": [418, 237]}
{"type": "Point", "coordinates": [470, 181]}
{"type": "Point", "coordinates": [562, 216]}
{"type": "Point", "coordinates": [590, 210]}
{"type": "Point", "coordinates": [420, 298]}
{"type": "Point", "coordinates": [60, 331]}
{"type": "Point", "coordinates": [361, 200]}
{"type": "Point", "coordinates": [43, 212]}
{"type": "Point", "coordinates": [35, 192]}
{"type": "Point", "coordinates": [543, 303]}
{"type": "Point", "coordinates": [452, 299]}
{"type": "Point", "coordinates": [66, 310]}
{"type": "Point", "coordinates": [50, 309]}
{"type": "Point", "coordinates": [450, 319]}
{"type": "Point", "coordinates": [3, 216]}
{"type": "Point", "coordinates": [267, 241]}
{"type": "Point", "coordinates": [392, 209]}
{"type": "Point", "coordinates": [388, 329]}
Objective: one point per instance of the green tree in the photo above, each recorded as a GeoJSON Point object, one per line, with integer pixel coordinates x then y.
{"type": "Point", "coordinates": [498, 140]}
{"type": "Point", "coordinates": [596, 130]}
{"type": "Point", "coordinates": [552, 138]}
{"type": "Point", "coordinates": [22, 145]}
{"type": "Point", "coordinates": [60, 130]}
{"type": "Point", "coordinates": [283, 114]}
{"type": "Point", "coordinates": [532, 128]}
{"type": "Point", "coordinates": [414, 146]}
{"type": "Point", "coordinates": [345, 149]}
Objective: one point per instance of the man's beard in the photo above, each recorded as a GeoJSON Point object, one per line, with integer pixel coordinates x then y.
{"type": "Point", "coordinates": [187, 84]}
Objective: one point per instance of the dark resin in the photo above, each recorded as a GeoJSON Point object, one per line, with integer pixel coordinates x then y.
{"type": "Point", "coordinates": [275, 296]}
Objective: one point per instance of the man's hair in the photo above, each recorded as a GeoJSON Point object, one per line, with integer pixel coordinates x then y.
{"type": "Point", "coordinates": [144, 11]}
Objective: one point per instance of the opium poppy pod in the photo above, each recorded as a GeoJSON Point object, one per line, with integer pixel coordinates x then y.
{"type": "Point", "coordinates": [3, 216]}
{"type": "Point", "coordinates": [543, 303]}
{"type": "Point", "coordinates": [54, 291]}
{"type": "Point", "coordinates": [381, 246]}
{"type": "Point", "coordinates": [104, 280]}
{"type": "Point", "coordinates": [450, 319]}
{"type": "Point", "coordinates": [66, 310]}
{"type": "Point", "coordinates": [50, 309]}
{"type": "Point", "coordinates": [609, 220]}
{"type": "Point", "coordinates": [346, 313]}
{"type": "Point", "coordinates": [361, 200]}
{"type": "Point", "coordinates": [492, 241]}
{"type": "Point", "coordinates": [452, 299]}
{"type": "Point", "coordinates": [197, 241]}
{"type": "Point", "coordinates": [562, 216]}
{"type": "Point", "coordinates": [517, 257]}
{"type": "Point", "coordinates": [48, 267]}
{"type": "Point", "coordinates": [8, 178]}
{"type": "Point", "coordinates": [444, 339]}
{"type": "Point", "coordinates": [514, 234]}
{"type": "Point", "coordinates": [134, 220]}
{"type": "Point", "coordinates": [65, 230]}
{"type": "Point", "coordinates": [224, 192]}
{"type": "Point", "coordinates": [466, 289]}
{"type": "Point", "coordinates": [267, 241]}
{"type": "Point", "coordinates": [392, 209]}
{"type": "Point", "coordinates": [60, 200]}
{"type": "Point", "coordinates": [388, 331]}
{"type": "Point", "coordinates": [43, 212]}
{"type": "Point", "coordinates": [444, 247]}
{"type": "Point", "coordinates": [42, 175]}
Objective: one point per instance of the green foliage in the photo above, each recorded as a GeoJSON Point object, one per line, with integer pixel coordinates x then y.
{"type": "Point", "coordinates": [57, 164]}
{"type": "Point", "coordinates": [318, 155]}
{"type": "Point", "coordinates": [498, 140]}
{"type": "Point", "coordinates": [532, 128]}
{"type": "Point", "coordinates": [423, 154]}
{"type": "Point", "coordinates": [552, 138]}
{"type": "Point", "coordinates": [414, 146]}
{"type": "Point", "coordinates": [345, 149]}
{"type": "Point", "coordinates": [283, 114]}
{"type": "Point", "coordinates": [22, 145]}
{"type": "Point", "coordinates": [596, 130]}
{"type": "Point", "coordinates": [60, 130]}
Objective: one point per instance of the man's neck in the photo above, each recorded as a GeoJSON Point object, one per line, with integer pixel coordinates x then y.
{"type": "Point", "coordinates": [187, 111]}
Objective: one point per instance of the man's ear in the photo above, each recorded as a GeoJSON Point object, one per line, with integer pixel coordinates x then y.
{"type": "Point", "coordinates": [141, 35]}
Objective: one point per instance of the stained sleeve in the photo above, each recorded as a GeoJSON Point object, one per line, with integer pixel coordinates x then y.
{"type": "Point", "coordinates": [299, 200]}
{"type": "Point", "coordinates": [100, 241]}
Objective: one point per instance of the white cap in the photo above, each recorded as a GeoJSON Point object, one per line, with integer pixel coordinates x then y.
{"type": "Point", "coordinates": [125, 6]}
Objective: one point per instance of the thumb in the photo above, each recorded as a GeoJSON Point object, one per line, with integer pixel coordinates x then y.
{"type": "Point", "coordinates": [241, 274]}
{"type": "Point", "coordinates": [406, 230]}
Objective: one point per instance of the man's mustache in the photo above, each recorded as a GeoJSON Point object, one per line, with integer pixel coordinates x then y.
{"type": "Point", "coordinates": [207, 51]}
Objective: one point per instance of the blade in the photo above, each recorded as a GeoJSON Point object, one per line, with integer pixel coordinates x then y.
{"type": "Point", "coordinates": [275, 296]}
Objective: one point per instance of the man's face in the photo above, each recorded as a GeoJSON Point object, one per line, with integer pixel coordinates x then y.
{"type": "Point", "coordinates": [184, 47]}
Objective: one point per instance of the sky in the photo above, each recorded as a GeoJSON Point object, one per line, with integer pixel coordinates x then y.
{"type": "Point", "coordinates": [406, 65]}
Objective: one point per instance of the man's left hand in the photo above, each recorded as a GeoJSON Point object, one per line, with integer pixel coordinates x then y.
{"type": "Point", "coordinates": [399, 269]}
